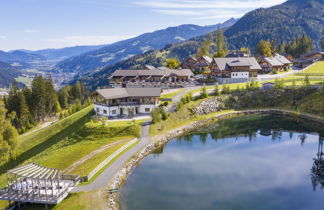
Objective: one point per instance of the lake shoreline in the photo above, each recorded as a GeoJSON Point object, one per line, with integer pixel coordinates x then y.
{"type": "Point", "coordinates": [162, 139]}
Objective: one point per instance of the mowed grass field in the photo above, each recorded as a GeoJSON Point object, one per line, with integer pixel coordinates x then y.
{"type": "Point", "coordinates": [70, 139]}
{"type": "Point", "coordinates": [316, 68]}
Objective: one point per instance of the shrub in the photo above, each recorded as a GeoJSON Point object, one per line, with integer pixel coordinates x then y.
{"type": "Point", "coordinates": [203, 93]}
{"type": "Point", "coordinates": [156, 115]}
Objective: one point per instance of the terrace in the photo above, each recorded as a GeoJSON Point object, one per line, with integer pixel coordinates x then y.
{"type": "Point", "coordinates": [33, 183]}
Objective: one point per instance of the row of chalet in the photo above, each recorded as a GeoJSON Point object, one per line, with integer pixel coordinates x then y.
{"type": "Point", "coordinates": [309, 58]}
{"type": "Point", "coordinates": [268, 64]}
{"type": "Point", "coordinates": [205, 61]}
{"type": "Point", "coordinates": [152, 77]}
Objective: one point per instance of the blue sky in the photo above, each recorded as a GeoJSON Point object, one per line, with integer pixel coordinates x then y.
{"type": "Point", "coordinates": [38, 24]}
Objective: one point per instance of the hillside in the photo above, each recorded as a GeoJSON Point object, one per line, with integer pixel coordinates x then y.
{"type": "Point", "coordinates": [8, 74]}
{"type": "Point", "coordinates": [64, 53]}
{"type": "Point", "coordinates": [281, 23]}
{"type": "Point", "coordinates": [19, 56]}
{"type": "Point", "coordinates": [123, 50]}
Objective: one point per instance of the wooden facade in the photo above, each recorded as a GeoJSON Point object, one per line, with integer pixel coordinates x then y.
{"type": "Point", "coordinates": [189, 63]}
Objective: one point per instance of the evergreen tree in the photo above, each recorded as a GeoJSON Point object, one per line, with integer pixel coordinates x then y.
{"type": "Point", "coordinates": [23, 113]}
{"type": "Point", "coordinates": [51, 96]}
{"type": "Point", "coordinates": [204, 48]}
{"type": "Point", "coordinates": [282, 48]}
{"type": "Point", "coordinates": [203, 93]}
{"type": "Point", "coordinates": [299, 46]}
{"type": "Point", "coordinates": [77, 92]}
{"type": "Point", "coordinates": [216, 91]}
{"type": "Point", "coordinates": [39, 97]}
{"type": "Point", "coordinates": [64, 97]}
{"type": "Point", "coordinates": [222, 49]}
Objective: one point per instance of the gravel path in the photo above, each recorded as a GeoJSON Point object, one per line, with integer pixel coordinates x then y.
{"type": "Point", "coordinates": [109, 173]}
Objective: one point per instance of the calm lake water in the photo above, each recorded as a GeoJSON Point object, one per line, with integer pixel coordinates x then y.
{"type": "Point", "coordinates": [256, 162]}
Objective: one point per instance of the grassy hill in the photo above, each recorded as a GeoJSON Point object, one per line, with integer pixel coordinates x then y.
{"type": "Point", "coordinates": [68, 140]}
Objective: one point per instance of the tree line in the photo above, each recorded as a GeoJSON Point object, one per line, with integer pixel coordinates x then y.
{"type": "Point", "coordinates": [24, 107]}
{"type": "Point", "coordinates": [28, 106]}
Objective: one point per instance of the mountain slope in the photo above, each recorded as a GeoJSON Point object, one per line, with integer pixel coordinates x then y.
{"type": "Point", "coordinates": [64, 53]}
{"type": "Point", "coordinates": [123, 50]}
{"type": "Point", "coordinates": [281, 23]}
{"type": "Point", "coordinates": [8, 74]}
{"type": "Point", "coordinates": [19, 56]}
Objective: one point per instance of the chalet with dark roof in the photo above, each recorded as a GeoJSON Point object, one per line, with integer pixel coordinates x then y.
{"type": "Point", "coordinates": [235, 68]}
{"type": "Point", "coordinates": [157, 77]}
{"type": "Point", "coordinates": [189, 63]}
{"type": "Point", "coordinates": [126, 102]}
{"type": "Point", "coordinates": [316, 55]}
{"type": "Point", "coordinates": [274, 64]}
{"type": "Point", "coordinates": [202, 63]}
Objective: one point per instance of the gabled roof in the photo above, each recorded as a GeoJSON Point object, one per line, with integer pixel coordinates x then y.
{"type": "Point", "coordinates": [282, 59]}
{"type": "Point", "coordinates": [190, 58]}
{"type": "Point", "coordinates": [149, 67]}
{"type": "Point", "coordinates": [114, 93]}
{"type": "Point", "coordinates": [277, 60]}
{"type": "Point", "coordinates": [224, 63]}
{"type": "Point", "coordinates": [273, 61]}
{"type": "Point", "coordinates": [208, 59]}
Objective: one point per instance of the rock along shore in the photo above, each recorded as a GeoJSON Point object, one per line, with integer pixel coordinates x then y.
{"type": "Point", "coordinates": [160, 140]}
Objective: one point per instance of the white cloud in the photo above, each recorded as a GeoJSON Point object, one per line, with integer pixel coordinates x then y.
{"type": "Point", "coordinates": [2, 37]}
{"type": "Point", "coordinates": [31, 31]}
{"type": "Point", "coordinates": [209, 4]}
{"type": "Point", "coordinates": [206, 9]}
{"type": "Point", "coordinates": [86, 40]}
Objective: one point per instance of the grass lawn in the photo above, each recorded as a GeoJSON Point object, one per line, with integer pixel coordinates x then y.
{"type": "Point", "coordinates": [231, 86]}
{"type": "Point", "coordinates": [92, 163]}
{"type": "Point", "coordinates": [171, 95]}
{"type": "Point", "coordinates": [316, 68]}
{"type": "Point", "coordinates": [70, 139]}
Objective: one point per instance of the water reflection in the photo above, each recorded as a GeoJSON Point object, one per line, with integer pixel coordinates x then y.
{"type": "Point", "coordinates": [317, 170]}
{"type": "Point", "coordinates": [246, 163]}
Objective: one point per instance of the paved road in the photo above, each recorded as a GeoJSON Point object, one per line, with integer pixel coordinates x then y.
{"type": "Point", "coordinates": [277, 76]}
{"type": "Point", "coordinates": [176, 99]}
{"type": "Point", "coordinates": [109, 173]}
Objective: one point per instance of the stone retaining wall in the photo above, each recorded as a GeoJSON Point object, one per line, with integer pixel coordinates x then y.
{"type": "Point", "coordinates": [160, 140]}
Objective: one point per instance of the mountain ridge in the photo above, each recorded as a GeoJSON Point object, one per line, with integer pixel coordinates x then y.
{"type": "Point", "coordinates": [282, 23]}
{"type": "Point", "coordinates": [125, 49]}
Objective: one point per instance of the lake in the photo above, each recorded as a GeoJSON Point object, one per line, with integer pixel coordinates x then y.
{"type": "Point", "coordinates": [256, 162]}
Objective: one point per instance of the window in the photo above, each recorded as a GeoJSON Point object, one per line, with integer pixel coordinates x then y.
{"type": "Point", "coordinates": [105, 111]}
{"type": "Point", "coordinates": [114, 112]}
{"type": "Point", "coordinates": [147, 110]}
{"type": "Point", "coordinates": [98, 110]}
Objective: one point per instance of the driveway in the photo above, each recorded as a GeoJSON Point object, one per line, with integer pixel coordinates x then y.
{"type": "Point", "coordinates": [109, 173]}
